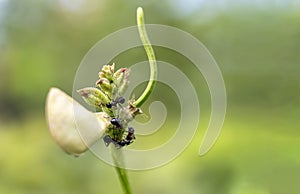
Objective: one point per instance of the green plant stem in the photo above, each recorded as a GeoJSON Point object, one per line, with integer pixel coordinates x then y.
{"type": "Point", "coordinates": [116, 153]}
{"type": "Point", "coordinates": [151, 57]}
{"type": "Point", "coordinates": [117, 157]}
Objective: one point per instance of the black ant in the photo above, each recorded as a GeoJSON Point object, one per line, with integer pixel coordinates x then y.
{"type": "Point", "coordinates": [119, 100]}
{"type": "Point", "coordinates": [116, 122]}
{"type": "Point", "coordinates": [107, 140]}
{"type": "Point", "coordinates": [128, 140]}
{"type": "Point", "coordinates": [130, 136]}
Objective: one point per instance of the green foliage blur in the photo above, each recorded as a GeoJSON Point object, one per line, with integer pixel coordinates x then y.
{"type": "Point", "coordinates": [256, 45]}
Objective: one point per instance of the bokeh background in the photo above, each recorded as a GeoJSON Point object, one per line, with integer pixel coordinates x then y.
{"type": "Point", "coordinates": [256, 45]}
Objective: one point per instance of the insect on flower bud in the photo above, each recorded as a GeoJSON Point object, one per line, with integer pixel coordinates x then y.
{"type": "Point", "coordinates": [117, 123]}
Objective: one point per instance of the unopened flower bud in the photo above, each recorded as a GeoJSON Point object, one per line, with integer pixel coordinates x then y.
{"type": "Point", "coordinates": [121, 80]}
{"type": "Point", "coordinates": [104, 84]}
{"type": "Point", "coordinates": [93, 96]}
{"type": "Point", "coordinates": [107, 72]}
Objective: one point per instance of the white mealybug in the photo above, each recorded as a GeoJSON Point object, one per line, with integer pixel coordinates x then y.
{"type": "Point", "coordinates": [73, 127]}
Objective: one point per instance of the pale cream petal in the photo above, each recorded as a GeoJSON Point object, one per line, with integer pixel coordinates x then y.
{"type": "Point", "coordinates": [73, 127]}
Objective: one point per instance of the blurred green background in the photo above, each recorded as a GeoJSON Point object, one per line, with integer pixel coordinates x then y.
{"type": "Point", "coordinates": [256, 45]}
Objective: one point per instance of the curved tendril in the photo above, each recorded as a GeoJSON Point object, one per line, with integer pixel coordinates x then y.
{"type": "Point", "coordinates": [151, 58]}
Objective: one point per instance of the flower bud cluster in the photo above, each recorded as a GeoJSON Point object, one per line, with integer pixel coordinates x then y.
{"type": "Point", "coordinates": [107, 97]}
